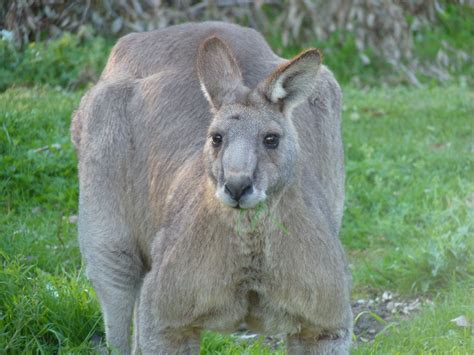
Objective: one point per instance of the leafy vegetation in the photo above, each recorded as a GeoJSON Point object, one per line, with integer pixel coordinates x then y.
{"type": "Point", "coordinates": [70, 62]}
{"type": "Point", "coordinates": [73, 61]}
{"type": "Point", "coordinates": [442, 48]}
{"type": "Point", "coordinates": [449, 42]}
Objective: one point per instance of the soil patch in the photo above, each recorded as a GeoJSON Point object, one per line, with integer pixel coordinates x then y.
{"type": "Point", "coordinates": [372, 317]}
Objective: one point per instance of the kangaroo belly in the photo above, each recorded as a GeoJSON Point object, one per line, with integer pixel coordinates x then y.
{"type": "Point", "coordinates": [251, 275]}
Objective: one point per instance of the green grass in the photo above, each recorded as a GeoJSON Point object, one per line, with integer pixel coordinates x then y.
{"type": "Point", "coordinates": [409, 217]}
{"type": "Point", "coordinates": [408, 223]}
{"type": "Point", "coordinates": [410, 168]}
{"type": "Point", "coordinates": [45, 302]}
{"type": "Point", "coordinates": [45, 311]}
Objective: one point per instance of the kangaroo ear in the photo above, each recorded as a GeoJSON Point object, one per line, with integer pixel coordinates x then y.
{"type": "Point", "coordinates": [218, 72]}
{"type": "Point", "coordinates": [293, 82]}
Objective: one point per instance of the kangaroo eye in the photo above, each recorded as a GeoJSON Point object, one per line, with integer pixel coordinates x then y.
{"type": "Point", "coordinates": [216, 140]}
{"type": "Point", "coordinates": [271, 141]}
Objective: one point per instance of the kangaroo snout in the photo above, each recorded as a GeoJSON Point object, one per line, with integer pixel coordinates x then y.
{"type": "Point", "coordinates": [239, 191]}
{"type": "Point", "coordinates": [236, 186]}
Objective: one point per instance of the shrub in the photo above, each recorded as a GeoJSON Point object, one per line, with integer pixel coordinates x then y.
{"type": "Point", "coordinates": [68, 61]}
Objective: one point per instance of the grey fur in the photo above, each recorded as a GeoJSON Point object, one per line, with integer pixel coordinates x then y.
{"type": "Point", "coordinates": [156, 234]}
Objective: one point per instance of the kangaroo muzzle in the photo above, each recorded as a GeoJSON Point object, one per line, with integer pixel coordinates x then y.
{"type": "Point", "coordinates": [238, 185]}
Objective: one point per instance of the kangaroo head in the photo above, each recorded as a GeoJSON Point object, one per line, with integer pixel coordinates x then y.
{"type": "Point", "coordinates": [252, 146]}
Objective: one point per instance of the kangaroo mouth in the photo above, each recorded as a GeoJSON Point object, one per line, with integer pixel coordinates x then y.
{"type": "Point", "coordinates": [248, 201]}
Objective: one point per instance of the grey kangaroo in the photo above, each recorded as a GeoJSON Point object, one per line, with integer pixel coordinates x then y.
{"type": "Point", "coordinates": [211, 192]}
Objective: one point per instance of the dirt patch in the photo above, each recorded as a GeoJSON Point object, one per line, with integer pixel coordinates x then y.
{"type": "Point", "coordinates": [379, 315]}
{"type": "Point", "coordinates": [372, 316]}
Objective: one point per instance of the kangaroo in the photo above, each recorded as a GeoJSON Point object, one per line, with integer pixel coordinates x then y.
{"type": "Point", "coordinates": [211, 187]}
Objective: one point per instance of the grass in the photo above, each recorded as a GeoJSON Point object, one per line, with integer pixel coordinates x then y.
{"type": "Point", "coordinates": [408, 222]}
{"type": "Point", "coordinates": [45, 302]}
{"type": "Point", "coordinates": [409, 217]}
{"type": "Point", "coordinates": [410, 167]}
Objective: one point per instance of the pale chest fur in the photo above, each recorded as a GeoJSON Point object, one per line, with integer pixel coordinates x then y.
{"type": "Point", "coordinates": [250, 235]}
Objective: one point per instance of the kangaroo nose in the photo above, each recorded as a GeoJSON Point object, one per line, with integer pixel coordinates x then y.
{"type": "Point", "coordinates": [238, 186]}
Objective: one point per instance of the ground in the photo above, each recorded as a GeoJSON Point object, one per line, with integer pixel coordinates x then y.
{"type": "Point", "coordinates": [407, 229]}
